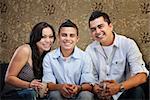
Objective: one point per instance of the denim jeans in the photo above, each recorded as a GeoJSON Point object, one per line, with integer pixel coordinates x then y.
{"type": "Point", "coordinates": [136, 93]}
{"type": "Point", "coordinates": [84, 95]}
{"type": "Point", "coordinates": [28, 94]}
{"type": "Point", "coordinates": [25, 94]}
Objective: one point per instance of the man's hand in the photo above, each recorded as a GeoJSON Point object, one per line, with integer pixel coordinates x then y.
{"type": "Point", "coordinates": [96, 89]}
{"type": "Point", "coordinates": [112, 87]}
{"type": "Point", "coordinates": [68, 90]}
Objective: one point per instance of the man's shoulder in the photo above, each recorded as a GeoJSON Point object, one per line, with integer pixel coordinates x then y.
{"type": "Point", "coordinates": [92, 45]}
{"type": "Point", "coordinates": [52, 53]}
{"type": "Point", "coordinates": [124, 39]}
{"type": "Point", "coordinates": [79, 52]}
{"type": "Point", "coordinates": [125, 43]}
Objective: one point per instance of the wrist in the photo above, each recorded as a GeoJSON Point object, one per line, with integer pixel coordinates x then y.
{"type": "Point", "coordinates": [121, 89]}
{"type": "Point", "coordinates": [92, 86]}
{"type": "Point", "coordinates": [29, 85]}
{"type": "Point", "coordinates": [79, 88]}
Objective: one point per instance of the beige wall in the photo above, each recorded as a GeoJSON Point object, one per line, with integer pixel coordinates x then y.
{"type": "Point", "coordinates": [17, 17]}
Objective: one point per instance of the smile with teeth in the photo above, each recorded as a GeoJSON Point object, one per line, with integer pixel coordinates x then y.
{"type": "Point", "coordinates": [99, 35]}
{"type": "Point", "coordinates": [47, 46]}
{"type": "Point", "coordinates": [67, 43]}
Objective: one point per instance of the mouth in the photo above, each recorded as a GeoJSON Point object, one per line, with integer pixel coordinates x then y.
{"type": "Point", "coordinates": [99, 35]}
{"type": "Point", "coordinates": [47, 46]}
{"type": "Point", "coordinates": [67, 43]}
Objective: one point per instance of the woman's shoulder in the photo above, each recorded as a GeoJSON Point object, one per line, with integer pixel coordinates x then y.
{"type": "Point", "coordinates": [24, 49]}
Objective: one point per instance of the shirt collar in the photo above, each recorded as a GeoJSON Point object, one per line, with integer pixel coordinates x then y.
{"type": "Point", "coordinates": [96, 44]}
{"type": "Point", "coordinates": [116, 40]}
{"type": "Point", "coordinates": [76, 53]}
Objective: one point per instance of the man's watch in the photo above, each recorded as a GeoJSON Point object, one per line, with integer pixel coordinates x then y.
{"type": "Point", "coordinates": [122, 88]}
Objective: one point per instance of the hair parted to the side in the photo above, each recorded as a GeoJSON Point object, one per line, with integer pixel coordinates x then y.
{"type": "Point", "coordinates": [96, 14]}
{"type": "Point", "coordinates": [37, 58]}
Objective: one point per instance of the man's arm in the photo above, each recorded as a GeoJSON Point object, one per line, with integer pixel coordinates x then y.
{"type": "Point", "coordinates": [86, 87]}
{"type": "Point", "coordinates": [113, 87]}
{"type": "Point", "coordinates": [52, 86]}
{"type": "Point", "coordinates": [134, 81]}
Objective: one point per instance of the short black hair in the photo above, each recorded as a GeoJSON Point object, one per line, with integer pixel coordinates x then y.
{"type": "Point", "coordinates": [96, 14]}
{"type": "Point", "coordinates": [68, 23]}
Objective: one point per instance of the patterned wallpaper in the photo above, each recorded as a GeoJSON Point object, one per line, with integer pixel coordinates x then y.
{"type": "Point", "coordinates": [17, 17]}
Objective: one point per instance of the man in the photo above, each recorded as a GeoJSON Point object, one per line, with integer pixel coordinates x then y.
{"type": "Point", "coordinates": [111, 53]}
{"type": "Point", "coordinates": [67, 69]}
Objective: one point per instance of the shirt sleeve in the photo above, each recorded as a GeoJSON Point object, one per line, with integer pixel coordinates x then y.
{"type": "Point", "coordinates": [93, 58]}
{"type": "Point", "coordinates": [48, 75]}
{"type": "Point", "coordinates": [135, 60]}
{"type": "Point", "coordinates": [87, 71]}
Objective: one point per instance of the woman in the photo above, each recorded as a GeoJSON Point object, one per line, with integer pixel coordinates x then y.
{"type": "Point", "coordinates": [25, 69]}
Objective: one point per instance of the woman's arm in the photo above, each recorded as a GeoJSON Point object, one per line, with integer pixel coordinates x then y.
{"type": "Point", "coordinates": [19, 59]}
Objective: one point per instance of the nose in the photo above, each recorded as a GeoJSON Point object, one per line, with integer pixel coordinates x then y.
{"type": "Point", "coordinates": [67, 37]}
{"type": "Point", "coordinates": [98, 30]}
{"type": "Point", "coordinates": [48, 39]}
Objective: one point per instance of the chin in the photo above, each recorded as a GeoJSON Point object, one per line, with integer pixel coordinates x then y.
{"type": "Point", "coordinates": [98, 40]}
{"type": "Point", "coordinates": [46, 49]}
{"type": "Point", "coordinates": [69, 48]}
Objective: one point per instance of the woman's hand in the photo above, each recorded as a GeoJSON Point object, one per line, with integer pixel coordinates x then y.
{"type": "Point", "coordinates": [36, 84]}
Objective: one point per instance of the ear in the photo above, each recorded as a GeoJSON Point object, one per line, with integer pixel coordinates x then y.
{"type": "Point", "coordinates": [78, 38]}
{"type": "Point", "coordinates": [57, 38]}
{"type": "Point", "coordinates": [111, 26]}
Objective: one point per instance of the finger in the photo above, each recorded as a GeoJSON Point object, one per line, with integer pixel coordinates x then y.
{"type": "Point", "coordinates": [66, 91]}
{"type": "Point", "coordinates": [47, 89]}
{"type": "Point", "coordinates": [70, 91]}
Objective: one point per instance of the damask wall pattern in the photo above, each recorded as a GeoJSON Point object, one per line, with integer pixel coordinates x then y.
{"type": "Point", "coordinates": [17, 17]}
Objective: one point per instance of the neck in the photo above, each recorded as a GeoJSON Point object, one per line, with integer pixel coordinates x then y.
{"type": "Point", "coordinates": [66, 53]}
{"type": "Point", "coordinates": [110, 40]}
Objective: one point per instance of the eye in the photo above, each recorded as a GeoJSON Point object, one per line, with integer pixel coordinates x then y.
{"type": "Point", "coordinates": [93, 29]}
{"type": "Point", "coordinates": [48, 36]}
{"type": "Point", "coordinates": [64, 35]}
{"type": "Point", "coordinates": [72, 35]}
{"type": "Point", "coordinates": [44, 36]}
{"type": "Point", "coordinates": [51, 36]}
{"type": "Point", "coordinates": [100, 26]}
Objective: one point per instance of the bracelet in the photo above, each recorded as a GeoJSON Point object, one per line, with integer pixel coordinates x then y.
{"type": "Point", "coordinates": [29, 85]}
{"type": "Point", "coordinates": [80, 89]}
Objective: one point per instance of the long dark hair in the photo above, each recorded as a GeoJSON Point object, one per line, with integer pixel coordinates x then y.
{"type": "Point", "coordinates": [37, 58]}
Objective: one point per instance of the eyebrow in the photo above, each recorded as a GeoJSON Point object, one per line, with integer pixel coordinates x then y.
{"type": "Point", "coordinates": [47, 35]}
{"type": "Point", "coordinates": [97, 25]}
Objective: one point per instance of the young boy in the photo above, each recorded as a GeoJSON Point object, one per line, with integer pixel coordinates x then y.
{"type": "Point", "coordinates": [67, 69]}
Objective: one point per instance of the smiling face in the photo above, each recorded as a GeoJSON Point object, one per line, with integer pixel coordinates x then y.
{"type": "Point", "coordinates": [67, 39]}
{"type": "Point", "coordinates": [101, 31]}
{"type": "Point", "coordinates": [46, 41]}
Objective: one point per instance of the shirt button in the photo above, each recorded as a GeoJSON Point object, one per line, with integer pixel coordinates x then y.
{"type": "Point", "coordinates": [107, 74]}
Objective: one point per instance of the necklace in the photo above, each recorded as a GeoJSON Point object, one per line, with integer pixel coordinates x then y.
{"type": "Point", "coordinates": [108, 58]}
